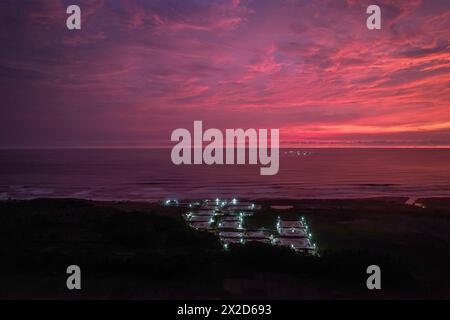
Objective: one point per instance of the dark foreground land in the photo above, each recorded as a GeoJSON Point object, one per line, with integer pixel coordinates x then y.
{"type": "Point", "coordinates": [146, 251]}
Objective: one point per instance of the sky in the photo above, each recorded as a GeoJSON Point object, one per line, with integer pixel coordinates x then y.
{"type": "Point", "coordinates": [139, 69]}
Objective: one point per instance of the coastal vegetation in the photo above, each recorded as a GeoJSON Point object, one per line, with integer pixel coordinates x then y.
{"type": "Point", "coordinates": [117, 243]}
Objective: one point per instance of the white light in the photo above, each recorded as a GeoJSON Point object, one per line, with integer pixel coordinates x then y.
{"type": "Point", "coordinates": [234, 201]}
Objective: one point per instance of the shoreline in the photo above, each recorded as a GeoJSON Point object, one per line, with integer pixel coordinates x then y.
{"type": "Point", "coordinates": [407, 200]}
{"type": "Point", "coordinates": [152, 200]}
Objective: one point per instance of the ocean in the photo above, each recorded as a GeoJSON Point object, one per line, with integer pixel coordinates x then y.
{"type": "Point", "coordinates": [148, 175]}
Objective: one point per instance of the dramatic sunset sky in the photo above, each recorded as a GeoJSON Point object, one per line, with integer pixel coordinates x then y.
{"type": "Point", "coordinates": [139, 69]}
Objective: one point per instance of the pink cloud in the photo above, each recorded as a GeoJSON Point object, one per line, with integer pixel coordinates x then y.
{"type": "Point", "coordinates": [140, 69]}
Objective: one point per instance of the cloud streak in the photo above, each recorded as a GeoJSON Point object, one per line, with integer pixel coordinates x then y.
{"type": "Point", "coordinates": [140, 69]}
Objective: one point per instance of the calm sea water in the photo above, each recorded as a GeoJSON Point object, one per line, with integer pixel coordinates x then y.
{"type": "Point", "coordinates": [148, 174]}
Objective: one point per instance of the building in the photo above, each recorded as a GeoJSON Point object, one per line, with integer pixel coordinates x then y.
{"type": "Point", "coordinates": [293, 232]}
{"type": "Point", "coordinates": [226, 219]}
{"type": "Point", "coordinates": [237, 225]}
{"type": "Point", "coordinates": [258, 234]}
{"type": "Point", "coordinates": [201, 219]}
{"type": "Point", "coordinates": [297, 244]}
{"type": "Point", "coordinates": [290, 224]}
{"type": "Point", "coordinates": [201, 225]}
{"type": "Point", "coordinates": [231, 234]}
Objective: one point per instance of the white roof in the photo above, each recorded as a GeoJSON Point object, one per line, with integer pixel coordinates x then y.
{"type": "Point", "coordinates": [210, 206]}
{"type": "Point", "coordinates": [230, 213]}
{"type": "Point", "coordinates": [230, 234]}
{"type": "Point", "coordinates": [203, 212]}
{"type": "Point", "coordinates": [231, 218]}
{"type": "Point", "coordinates": [200, 219]}
{"type": "Point", "coordinates": [257, 234]}
{"type": "Point", "coordinates": [262, 240]}
{"type": "Point", "coordinates": [297, 243]}
{"type": "Point", "coordinates": [292, 232]}
{"type": "Point", "coordinates": [230, 224]}
{"type": "Point", "coordinates": [241, 203]}
{"type": "Point", "coordinates": [291, 224]}
{"type": "Point", "coordinates": [244, 206]}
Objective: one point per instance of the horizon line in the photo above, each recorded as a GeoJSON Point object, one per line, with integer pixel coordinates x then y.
{"type": "Point", "coordinates": [246, 147]}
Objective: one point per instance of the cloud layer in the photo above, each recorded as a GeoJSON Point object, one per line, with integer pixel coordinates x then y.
{"type": "Point", "coordinates": [139, 69]}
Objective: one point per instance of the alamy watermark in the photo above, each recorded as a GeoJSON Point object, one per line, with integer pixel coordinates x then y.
{"type": "Point", "coordinates": [374, 280]}
{"type": "Point", "coordinates": [73, 22]}
{"type": "Point", "coordinates": [189, 149]}
{"type": "Point", "coordinates": [74, 280]}
{"type": "Point", "coordinates": [374, 20]}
